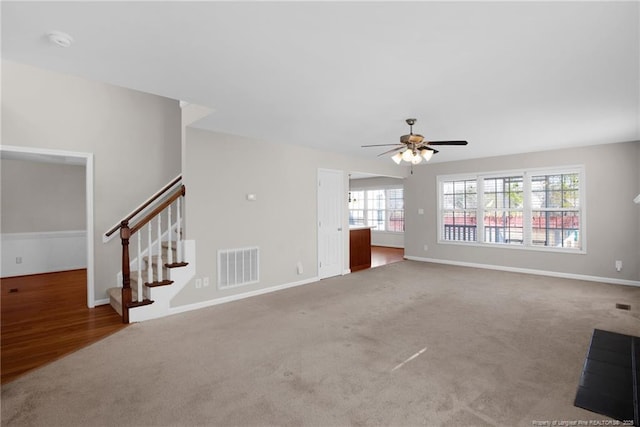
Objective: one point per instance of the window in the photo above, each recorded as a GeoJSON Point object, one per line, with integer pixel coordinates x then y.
{"type": "Point", "coordinates": [555, 204]}
{"type": "Point", "coordinates": [376, 204]}
{"type": "Point", "coordinates": [529, 208]}
{"type": "Point", "coordinates": [503, 209]}
{"type": "Point", "coordinates": [460, 201]}
{"type": "Point", "coordinates": [395, 210]}
{"type": "Point", "coordinates": [356, 208]}
{"type": "Point", "coordinates": [381, 209]}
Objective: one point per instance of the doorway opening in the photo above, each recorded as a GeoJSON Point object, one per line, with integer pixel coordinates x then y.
{"type": "Point", "coordinates": [66, 158]}
{"type": "Point", "coordinates": [376, 220]}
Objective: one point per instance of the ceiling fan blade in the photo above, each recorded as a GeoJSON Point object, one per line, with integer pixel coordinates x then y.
{"type": "Point", "coordinates": [429, 148]}
{"type": "Point", "coordinates": [447, 143]}
{"type": "Point", "coordinates": [391, 151]}
{"type": "Point", "coordinates": [382, 145]}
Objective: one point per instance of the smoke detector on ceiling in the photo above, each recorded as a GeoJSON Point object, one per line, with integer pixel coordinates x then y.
{"type": "Point", "coordinates": [60, 39]}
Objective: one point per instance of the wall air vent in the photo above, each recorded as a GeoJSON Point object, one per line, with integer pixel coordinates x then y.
{"type": "Point", "coordinates": [238, 267]}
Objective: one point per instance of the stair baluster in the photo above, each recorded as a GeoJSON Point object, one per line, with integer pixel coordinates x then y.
{"type": "Point", "coordinates": [169, 237]}
{"type": "Point", "coordinates": [160, 264]}
{"type": "Point", "coordinates": [139, 290]}
{"type": "Point", "coordinates": [149, 254]}
{"type": "Point", "coordinates": [179, 232]}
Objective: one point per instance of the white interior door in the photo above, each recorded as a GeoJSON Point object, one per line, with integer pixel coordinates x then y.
{"type": "Point", "coordinates": [330, 235]}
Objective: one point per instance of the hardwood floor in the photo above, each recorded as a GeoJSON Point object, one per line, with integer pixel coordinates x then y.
{"type": "Point", "coordinates": [381, 255]}
{"type": "Point", "coordinates": [45, 317]}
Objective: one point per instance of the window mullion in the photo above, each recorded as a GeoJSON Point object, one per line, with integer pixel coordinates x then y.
{"type": "Point", "coordinates": [480, 209]}
{"type": "Point", "coordinates": [527, 212]}
{"type": "Point", "coordinates": [387, 212]}
{"type": "Point", "coordinates": [440, 219]}
{"type": "Point", "coordinates": [366, 207]}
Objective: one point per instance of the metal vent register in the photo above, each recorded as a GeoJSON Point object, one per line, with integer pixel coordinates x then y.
{"type": "Point", "coordinates": [238, 267]}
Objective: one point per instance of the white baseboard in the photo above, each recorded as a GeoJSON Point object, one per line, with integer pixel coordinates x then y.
{"type": "Point", "coordinates": [529, 271]}
{"type": "Point", "coordinates": [104, 301]}
{"type": "Point", "coordinates": [236, 297]}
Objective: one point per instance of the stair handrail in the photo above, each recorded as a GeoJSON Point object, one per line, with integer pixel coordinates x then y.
{"type": "Point", "coordinates": [142, 207]}
{"type": "Point", "coordinates": [180, 192]}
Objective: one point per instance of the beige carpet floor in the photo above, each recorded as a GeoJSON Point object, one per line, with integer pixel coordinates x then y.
{"type": "Point", "coordinates": [407, 344]}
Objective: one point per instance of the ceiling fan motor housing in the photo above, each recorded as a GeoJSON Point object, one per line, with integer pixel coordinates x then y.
{"type": "Point", "coordinates": [411, 139]}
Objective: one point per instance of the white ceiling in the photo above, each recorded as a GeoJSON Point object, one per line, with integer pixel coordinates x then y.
{"type": "Point", "coordinates": [509, 77]}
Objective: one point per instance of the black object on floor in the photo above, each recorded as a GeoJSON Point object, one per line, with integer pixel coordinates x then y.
{"type": "Point", "coordinates": [611, 376]}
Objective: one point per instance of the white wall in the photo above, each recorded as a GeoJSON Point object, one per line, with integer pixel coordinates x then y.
{"type": "Point", "coordinates": [612, 219]}
{"type": "Point", "coordinates": [381, 238]}
{"type": "Point", "coordinates": [38, 196]}
{"type": "Point", "coordinates": [638, 183]}
{"type": "Point", "coordinates": [43, 217]}
{"type": "Point", "coordinates": [282, 221]}
{"type": "Point", "coordinates": [43, 252]}
{"type": "Point", "coordinates": [134, 137]}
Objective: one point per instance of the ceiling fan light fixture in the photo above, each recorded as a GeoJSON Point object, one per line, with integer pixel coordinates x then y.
{"type": "Point", "coordinates": [416, 159]}
{"type": "Point", "coordinates": [407, 155]}
{"type": "Point", "coordinates": [397, 158]}
{"type": "Point", "coordinates": [427, 154]}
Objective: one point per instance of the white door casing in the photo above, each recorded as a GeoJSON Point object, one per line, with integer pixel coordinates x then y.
{"type": "Point", "coordinates": [69, 157]}
{"type": "Point", "coordinates": [330, 213]}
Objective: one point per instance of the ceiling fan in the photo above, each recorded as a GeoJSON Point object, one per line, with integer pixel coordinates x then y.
{"type": "Point", "coordinates": [413, 147]}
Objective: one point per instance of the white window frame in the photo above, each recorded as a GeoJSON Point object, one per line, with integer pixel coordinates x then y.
{"type": "Point", "coordinates": [387, 210]}
{"type": "Point", "coordinates": [458, 177]}
{"type": "Point", "coordinates": [527, 209]}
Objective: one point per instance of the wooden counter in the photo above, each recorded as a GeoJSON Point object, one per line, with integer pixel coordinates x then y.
{"type": "Point", "coordinates": [359, 248]}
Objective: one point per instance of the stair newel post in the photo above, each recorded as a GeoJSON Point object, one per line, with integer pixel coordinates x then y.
{"type": "Point", "coordinates": [160, 248]}
{"type": "Point", "coordinates": [169, 236]}
{"type": "Point", "coordinates": [179, 231]}
{"type": "Point", "coordinates": [125, 234]}
{"type": "Point", "coordinates": [140, 297]}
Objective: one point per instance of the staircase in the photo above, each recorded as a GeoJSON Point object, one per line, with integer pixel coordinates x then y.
{"type": "Point", "coordinates": [160, 270]}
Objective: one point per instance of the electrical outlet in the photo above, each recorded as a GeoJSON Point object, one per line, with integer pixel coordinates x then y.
{"type": "Point", "coordinates": [299, 268]}
{"type": "Point", "coordinates": [618, 265]}
{"type": "Point", "coordinates": [18, 260]}
{"type": "Point", "coordinates": [205, 282]}
{"type": "Point", "coordinates": [198, 283]}
{"type": "Point", "coordinates": [426, 248]}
